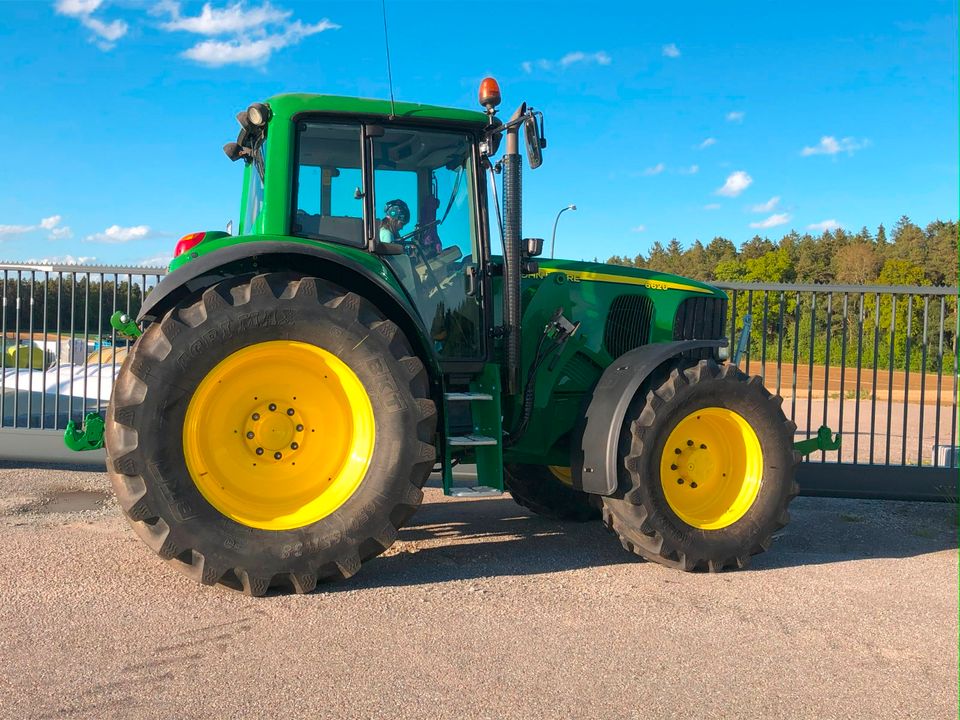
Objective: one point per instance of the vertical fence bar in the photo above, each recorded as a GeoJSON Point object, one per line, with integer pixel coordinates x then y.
{"type": "Point", "coordinates": [763, 337]}
{"type": "Point", "coordinates": [783, 300]}
{"type": "Point", "coordinates": [826, 369]}
{"type": "Point", "coordinates": [956, 366]}
{"type": "Point", "coordinates": [31, 345]}
{"type": "Point", "coordinates": [876, 367]}
{"type": "Point", "coordinates": [843, 363]}
{"type": "Point", "coordinates": [749, 310]}
{"type": "Point", "coordinates": [906, 383]}
{"type": "Point", "coordinates": [813, 323]}
{"type": "Point", "coordinates": [936, 426]}
{"type": "Point", "coordinates": [923, 380]}
{"type": "Point", "coordinates": [86, 344]}
{"type": "Point", "coordinates": [797, 316]}
{"type": "Point", "coordinates": [73, 340]}
{"type": "Point", "coordinates": [56, 398]}
{"type": "Point", "coordinates": [46, 305]}
{"type": "Point", "coordinates": [99, 344]}
{"type": "Point", "coordinates": [893, 335]}
{"type": "Point", "coordinates": [856, 410]}
{"type": "Point", "coordinates": [16, 351]}
{"type": "Point", "coordinates": [733, 323]}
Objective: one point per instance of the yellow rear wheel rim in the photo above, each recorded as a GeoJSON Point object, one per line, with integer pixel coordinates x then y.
{"type": "Point", "coordinates": [279, 435]}
{"type": "Point", "coordinates": [711, 468]}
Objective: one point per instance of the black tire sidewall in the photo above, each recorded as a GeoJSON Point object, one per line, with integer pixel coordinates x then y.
{"type": "Point", "coordinates": [171, 381]}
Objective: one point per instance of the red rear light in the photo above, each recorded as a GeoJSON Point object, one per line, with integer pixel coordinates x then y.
{"type": "Point", "coordinates": [187, 242]}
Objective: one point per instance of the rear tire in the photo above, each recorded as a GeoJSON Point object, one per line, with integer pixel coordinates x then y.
{"type": "Point", "coordinates": [187, 476]}
{"type": "Point", "coordinates": [540, 490]}
{"type": "Point", "coordinates": [707, 470]}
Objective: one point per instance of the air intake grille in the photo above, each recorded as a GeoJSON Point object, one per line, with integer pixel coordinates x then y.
{"type": "Point", "coordinates": [628, 324]}
{"type": "Point", "coordinates": [700, 318]}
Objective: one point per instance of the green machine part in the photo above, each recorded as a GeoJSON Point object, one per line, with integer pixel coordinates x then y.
{"type": "Point", "coordinates": [824, 440]}
{"type": "Point", "coordinates": [125, 325]}
{"type": "Point", "coordinates": [87, 437]}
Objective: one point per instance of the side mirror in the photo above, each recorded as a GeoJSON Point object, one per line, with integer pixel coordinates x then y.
{"type": "Point", "coordinates": [532, 247]}
{"type": "Point", "coordinates": [531, 134]}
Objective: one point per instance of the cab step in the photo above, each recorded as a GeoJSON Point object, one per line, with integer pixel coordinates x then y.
{"type": "Point", "coordinates": [477, 491]}
{"type": "Point", "coordinates": [467, 396]}
{"type": "Point", "coordinates": [470, 440]}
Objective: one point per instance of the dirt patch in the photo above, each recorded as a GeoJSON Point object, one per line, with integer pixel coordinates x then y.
{"type": "Point", "coordinates": [69, 501]}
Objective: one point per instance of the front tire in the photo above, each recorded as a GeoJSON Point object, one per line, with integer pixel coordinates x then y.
{"type": "Point", "coordinates": [274, 431]}
{"type": "Point", "coordinates": [707, 470]}
{"type": "Point", "coordinates": [542, 490]}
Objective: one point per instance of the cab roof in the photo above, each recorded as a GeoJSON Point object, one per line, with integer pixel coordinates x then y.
{"type": "Point", "coordinates": [290, 104]}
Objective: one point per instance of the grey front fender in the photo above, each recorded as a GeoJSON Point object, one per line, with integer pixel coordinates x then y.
{"type": "Point", "coordinates": [594, 461]}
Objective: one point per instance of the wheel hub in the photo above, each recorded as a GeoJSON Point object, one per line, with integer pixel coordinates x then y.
{"type": "Point", "coordinates": [273, 428]}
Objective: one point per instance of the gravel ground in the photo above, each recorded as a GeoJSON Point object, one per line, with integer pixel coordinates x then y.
{"type": "Point", "coordinates": [481, 611]}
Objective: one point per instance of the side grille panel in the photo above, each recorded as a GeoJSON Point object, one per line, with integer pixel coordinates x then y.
{"type": "Point", "coordinates": [628, 324]}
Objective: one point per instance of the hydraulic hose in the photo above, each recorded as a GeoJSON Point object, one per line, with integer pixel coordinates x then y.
{"type": "Point", "coordinates": [511, 265]}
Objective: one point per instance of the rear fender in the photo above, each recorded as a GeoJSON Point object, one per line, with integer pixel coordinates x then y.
{"type": "Point", "coordinates": [594, 463]}
{"type": "Point", "coordinates": [310, 260]}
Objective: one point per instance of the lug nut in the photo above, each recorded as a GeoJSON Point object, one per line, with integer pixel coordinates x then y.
{"type": "Point", "coordinates": [702, 446]}
{"type": "Point", "coordinates": [677, 450]}
{"type": "Point", "coordinates": [294, 446]}
{"type": "Point", "coordinates": [250, 434]}
{"type": "Point", "coordinates": [289, 411]}
{"type": "Point", "coordinates": [693, 484]}
{"type": "Point", "coordinates": [259, 451]}
{"type": "Point", "coordinates": [689, 443]}
{"type": "Point", "coordinates": [277, 455]}
{"type": "Point", "coordinates": [256, 416]}
{"type": "Point", "coordinates": [679, 481]}
{"type": "Point", "coordinates": [272, 407]}
{"type": "Point", "coordinates": [673, 467]}
{"type": "Point", "coordinates": [299, 428]}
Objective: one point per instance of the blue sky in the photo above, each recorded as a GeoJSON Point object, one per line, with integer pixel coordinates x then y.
{"type": "Point", "coordinates": [664, 120]}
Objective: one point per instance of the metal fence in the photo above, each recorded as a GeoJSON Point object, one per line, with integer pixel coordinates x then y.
{"type": "Point", "coordinates": [876, 364]}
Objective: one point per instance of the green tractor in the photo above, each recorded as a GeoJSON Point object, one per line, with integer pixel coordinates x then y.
{"type": "Point", "coordinates": [295, 385]}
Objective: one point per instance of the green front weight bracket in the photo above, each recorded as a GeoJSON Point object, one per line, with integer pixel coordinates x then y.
{"type": "Point", "coordinates": [125, 326]}
{"type": "Point", "coordinates": [823, 441]}
{"type": "Point", "coordinates": [88, 437]}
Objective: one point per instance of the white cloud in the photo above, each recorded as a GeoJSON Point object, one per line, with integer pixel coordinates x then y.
{"type": "Point", "coordinates": [117, 234]}
{"type": "Point", "coordinates": [735, 184]}
{"type": "Point", "coordinates": [64, 260]}
{"type": "Point", "coordinates": [247, 51]}
{"type": "Point", "coordinates": [578, 57]}
{"type": "Point", "coordinates": [707, 143]}
{"type": "Point", "coordinates": [772, 221]}
{"type": "Point", "coordinates": [735, 116]}
{"type": "Point", "coordinates": [692, 170]}
{"type": "Point", "coordinates": [638, 228]}
{"type": "Point", "coordinates": [671, 51]}
{"type": "Point", "coordinates": [105, 33]}
{"type": "Point", "coordinates": [158, 259]}
{"type": "Point", "coordinates": [712, 206]}
{"type": "Point", "coordinates": [49, 223]}
{"type": "Point", "coordinates": [824, 225]}
{"type": "Point", "coordinates": [61, 233]}
{"type": "Point", "coordinates": [655, 170]}
{"type": "Point", "coordinates": [233, 19]}
{"type": "Point", "coordinates": [768, 206]}
{"type": "Point", "coordinates": [829, 145]}
{"type": "Point", "coordinates": [6, 230]}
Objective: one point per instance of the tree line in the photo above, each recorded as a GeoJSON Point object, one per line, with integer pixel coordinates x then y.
{"type": "Point", "coordinates": [834, 327]}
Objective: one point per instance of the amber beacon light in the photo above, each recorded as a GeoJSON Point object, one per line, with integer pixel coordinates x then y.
{"type": "Point", "coordinates": [489, 93]}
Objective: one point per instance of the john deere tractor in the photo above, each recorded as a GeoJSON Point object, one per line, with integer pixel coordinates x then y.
{"type": "Point", "coordinates": [294, 385]}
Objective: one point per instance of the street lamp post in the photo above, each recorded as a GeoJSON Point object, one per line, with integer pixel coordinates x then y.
{"type": "Point", "coordinates": [553, 238]}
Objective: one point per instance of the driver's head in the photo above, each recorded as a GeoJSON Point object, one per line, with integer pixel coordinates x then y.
{"type": "Point", "coordinates": [398, 211]}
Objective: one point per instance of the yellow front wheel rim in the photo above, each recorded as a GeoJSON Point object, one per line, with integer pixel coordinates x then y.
{"type": "Point", "coordinates": [561, 473]}
{"type": "Point", "coordinates": [279, 435]}
{"type": "Point", "coordinates": [711, 468]}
